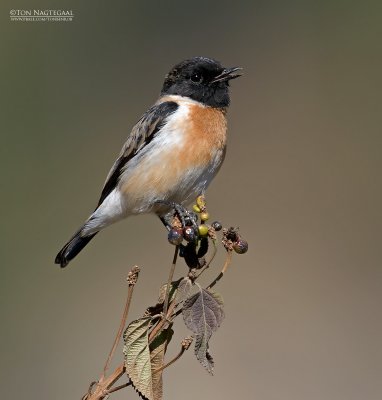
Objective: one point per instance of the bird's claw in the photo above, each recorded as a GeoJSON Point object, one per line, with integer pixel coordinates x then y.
{"type": "Point", "coordinates": [185, 217]}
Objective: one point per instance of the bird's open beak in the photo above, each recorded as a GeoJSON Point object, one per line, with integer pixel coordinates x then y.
{"type": "Point", "coordinates": [227, 75]}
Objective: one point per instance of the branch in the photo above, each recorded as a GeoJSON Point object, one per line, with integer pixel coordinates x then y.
{"type": "Point", "coordinates": [185, 345]}
{"type": "Point", "coordinates": [104, 384]}
{"type": "Point", "coordinates": [132, 280]}
{"type": "Point", "coordinates": [169, 280]}
{"type": "Point", "coordinates": [102, 387]}
{"type": "Point", "coordinates": [224, 269]}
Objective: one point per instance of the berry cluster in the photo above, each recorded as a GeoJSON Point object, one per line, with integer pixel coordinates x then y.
{"type": "Point", "coordinates": [193, 232]}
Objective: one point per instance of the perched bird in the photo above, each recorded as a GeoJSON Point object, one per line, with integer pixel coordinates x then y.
{"type": "Point", "coordinates": [171, 154]}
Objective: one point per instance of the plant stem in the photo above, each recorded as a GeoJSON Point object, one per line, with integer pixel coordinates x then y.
{"type": "Point", "coordinates": [132, 279]}
{"type": "Point", "coordinates": [120, 387]}
{"type": "Point", "coordinates": [224, 269]}
{"type": "Point", "coordinates": [182, 350]}
{"type": "Point", "coordinates": [102, 388]}
{"type": "Point", "coordinates": [169, 280]}
{"type": "Point", "coordinates": [209, 261]}
{"type": "Point", "coordinates": [161, 323]}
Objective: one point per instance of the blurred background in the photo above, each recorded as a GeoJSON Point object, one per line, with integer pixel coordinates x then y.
{"type": "Point", "coordinates": [302, 180]}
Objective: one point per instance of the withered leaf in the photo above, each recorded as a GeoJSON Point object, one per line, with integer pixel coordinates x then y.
{"type": "Point", "coordinates": [203, 314]}
{"type": "Point", "coordinates": [173, 289]}
{"type": "Point", "coordinates": [137, 356]}
{"type": "Point", "coordinates": [158, 308]}
{"type": "Point", "coordinates": [183, 291]}
{"type": "Point", "coordinates": [157, 351]}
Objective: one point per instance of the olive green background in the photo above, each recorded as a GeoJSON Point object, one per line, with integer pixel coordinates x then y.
{"type": "Point", "coordinates": [302, 180]}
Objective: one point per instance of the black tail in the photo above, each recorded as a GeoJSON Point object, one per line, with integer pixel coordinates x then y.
{"type": "Point", "coordinates": [72, 248]}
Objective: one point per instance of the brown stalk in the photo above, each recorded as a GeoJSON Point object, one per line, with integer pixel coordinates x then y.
{"type": "Point", "coordinates": [186, 343]}
{"type": "Point", "coordinates": [169, 280]}
{"type": "Point", "coordinates": [132, 280]}
{"type": "Point", "coordinates": [102, 387]}
{"type": "Point", "coordinates": [224, 269]}
{"type": "Point", "coordinates": [104, 384]}
{"type": "Point", "coordinates": [209, 261]}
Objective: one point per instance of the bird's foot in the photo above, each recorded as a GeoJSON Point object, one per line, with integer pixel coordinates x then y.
{"type": "Point", "coordinates": [179, 216]}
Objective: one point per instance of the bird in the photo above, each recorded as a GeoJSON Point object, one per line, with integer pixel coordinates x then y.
{"type": "Point", "coordinates": [172, 153]}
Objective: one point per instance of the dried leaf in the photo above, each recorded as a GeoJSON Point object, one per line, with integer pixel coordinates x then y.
{"type": "Point", "coordinates": [158, 308]}
{"type": "Point", "coordinates": [202, 354]}
{"type": "Point", "coordinates": [203, 314]}
{"type": "Point", "coordinates": [162, 291]}
{"type": "Point", "coordinates": [137, 356]}
{"type": "Point", "coordinates": [183, 291]}
{"type": "Point", "coordinates": [157, 351]}
{"type": "Point", "coordinates": [143, 361]}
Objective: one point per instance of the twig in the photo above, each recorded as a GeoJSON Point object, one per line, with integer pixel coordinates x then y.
{"type": "Point", "coordinates": [102, 388]}
{"type": "Point", "coordinates": [162, 322]}
{"type": "Point", "coordinates": [228, 260]}
{"type": "Point", "coordinates": [224, 269]}
{"type": "Point", "coordinates": [209, 261]}
{"type": "Point", "coordinates": [169, 280]}
{"type": "Point", "coordinates": [186, 343]}
{"type": "Point", "coordinates": [104, 384]}
{"type": "Point", "coordinates": [120, 387]}
{"type": "Point", "coordinates": [132, 280]}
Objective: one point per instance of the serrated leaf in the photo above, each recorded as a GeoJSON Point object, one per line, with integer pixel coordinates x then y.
{"type": "Point", "coordinates": [157, 351]}
{"type": "Point", "coordinates": [203, 314]}
{"type": "Point", "coordinates": [143, 361]}
{"type": "Point", "coordinates": [137, 356]}
{"type": "Point", "coordinates": [202, 353]}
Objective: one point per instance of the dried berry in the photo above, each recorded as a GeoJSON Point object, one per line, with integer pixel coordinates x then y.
{"type": "Point", "coordinates": [175, 236]}
{"type": "Point", "coordinates": [189, 234]}
{"type": "Point", "coordinates": [240, 246]}
{"type": "Point", "coordinates": [232, 234]}
{"type": "Point", "coordinates": [217, 226]}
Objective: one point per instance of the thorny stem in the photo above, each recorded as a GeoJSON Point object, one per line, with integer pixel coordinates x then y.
{"type": "Point", "coordinates": [224, 269]}
{"type": "Point", "coordinates": [132, 280]}
{"type": "Point", "coordinates": [169, 280]}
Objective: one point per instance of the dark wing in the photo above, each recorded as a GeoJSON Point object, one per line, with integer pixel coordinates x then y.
{"type": "Point", "coordinates": [142, 134]}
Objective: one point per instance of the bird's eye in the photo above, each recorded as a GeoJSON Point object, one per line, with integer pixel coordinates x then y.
{"type": "Point", "coordinates": [197, 78]}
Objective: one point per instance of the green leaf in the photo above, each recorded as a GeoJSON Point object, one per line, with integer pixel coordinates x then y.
{"type": "Point", "coordinates": [203, 314]}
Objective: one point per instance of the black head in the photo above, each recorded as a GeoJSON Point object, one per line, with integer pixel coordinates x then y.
{"type": "Point", "coordinates": [202, 79]}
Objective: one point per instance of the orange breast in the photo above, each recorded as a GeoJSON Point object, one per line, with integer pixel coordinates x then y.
{"type": "Point", "coordinates": [205, 135]}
